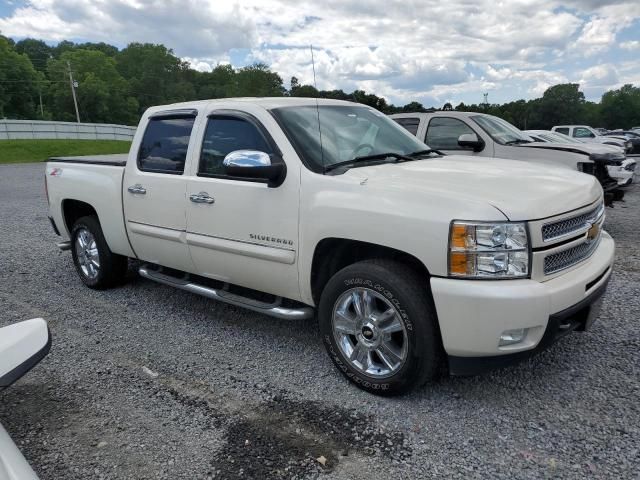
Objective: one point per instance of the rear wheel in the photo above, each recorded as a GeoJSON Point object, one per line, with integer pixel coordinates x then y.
{"type": "Point", "coordinates": [96, 264]}
{"type": "Point", "coordinates": [379, 327]}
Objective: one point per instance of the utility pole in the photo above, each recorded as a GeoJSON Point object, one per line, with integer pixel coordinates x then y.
{"type": "Point", "coordinates": [73, 91]}
{"type": "Point", "coordinates": [41, 109]}
{"type": "Point", "coordinates": [486, 100]}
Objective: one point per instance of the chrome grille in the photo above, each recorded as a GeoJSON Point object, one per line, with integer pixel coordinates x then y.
{"type": "Point", "coordinates": [567, 226]}
{"type": "Point", "coordinates": [569, 257]}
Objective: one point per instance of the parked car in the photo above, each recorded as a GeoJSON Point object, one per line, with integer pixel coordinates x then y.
{"type": "Point", "coordinates": [601, 131]}
{"type": "Point", "coordinates": [482, 135]}
{"type": "Point", "coordinates": [285, 205]}
{"type": "Point", "coordinates": [631, 136]}
{"type": "Point", "coordinates": [22, 346]}
{"type": "Point", "coordinates": [587, 134]}
{"type": "Point", "coordinates": [622, 170]}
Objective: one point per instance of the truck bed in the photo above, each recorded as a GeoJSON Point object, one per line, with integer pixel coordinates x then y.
{"type": "Point", "coordinates": [114, 160]}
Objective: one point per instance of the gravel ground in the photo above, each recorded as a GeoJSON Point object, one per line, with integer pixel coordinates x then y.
{"type": "Point", "coordinates": [239, 395]}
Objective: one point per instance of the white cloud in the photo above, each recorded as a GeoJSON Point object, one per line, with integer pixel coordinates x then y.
{"type": "Point", "coordinates": [402, 49]}
{"type": "Point", "coordinates": [631, 45]}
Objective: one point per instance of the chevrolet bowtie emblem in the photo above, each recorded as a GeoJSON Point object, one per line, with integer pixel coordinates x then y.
{"type": "Point", "coordinates": [593, 232]}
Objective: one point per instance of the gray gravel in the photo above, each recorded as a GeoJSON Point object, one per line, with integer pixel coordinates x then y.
{"type": "Point", "coordinates": [239, 395]}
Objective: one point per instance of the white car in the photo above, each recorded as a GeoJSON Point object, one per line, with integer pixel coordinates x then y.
{"type": "Point", "coordinates": [291, 206]}
{"type": "Point", "coordinates": [622, 168]}
{"type": "Point", "coordinates": [22, 346]}
{"type": "Point", "coordinates": [482, 135]}
{"type": "Point", "coordinates": [587, 134]}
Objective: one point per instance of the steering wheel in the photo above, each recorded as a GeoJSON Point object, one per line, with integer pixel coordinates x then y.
{"type": "Point", "coordinates": [362, 146]}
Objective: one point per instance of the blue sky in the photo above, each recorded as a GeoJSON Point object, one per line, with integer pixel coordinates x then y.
{"type": "Point", "coordinates": [429, 50]}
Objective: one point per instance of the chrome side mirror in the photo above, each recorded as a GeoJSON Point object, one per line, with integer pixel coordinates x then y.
{"type": "Point", "coordinates": [471, 140]}
{"type": "Point", "coordinates": [254, 165]}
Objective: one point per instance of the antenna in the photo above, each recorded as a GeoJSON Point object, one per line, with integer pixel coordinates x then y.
{"type": "Point", "coordinates": [315, 85]}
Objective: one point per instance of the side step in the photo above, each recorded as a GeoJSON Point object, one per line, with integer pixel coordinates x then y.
{"type": "Point", "coordinates": [272, 309]}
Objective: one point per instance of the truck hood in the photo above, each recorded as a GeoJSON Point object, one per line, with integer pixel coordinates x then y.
{"type": "Point", "coordinates": [587, 148]}
{"type": "Point", "coordinates": [520, 190]}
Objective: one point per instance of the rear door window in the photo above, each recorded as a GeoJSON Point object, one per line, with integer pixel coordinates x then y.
{"type": "Point", "coordinates": [562, 130]}
{"type": "Point", "coordinates": [165, 143]}
{"type": "Point", "coordinates": [411, 124]}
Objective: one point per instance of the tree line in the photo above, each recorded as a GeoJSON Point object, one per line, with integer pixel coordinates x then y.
{"type": "Point", "coordinates": [116, 85]}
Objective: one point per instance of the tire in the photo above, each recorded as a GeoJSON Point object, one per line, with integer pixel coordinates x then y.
{"type": "Point", "coordinates": [403, 359]}
{"type": "Point", "coordinates": [101, 268]}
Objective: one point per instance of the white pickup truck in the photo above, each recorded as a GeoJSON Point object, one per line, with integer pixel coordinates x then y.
{"type": "Point", "coordinates": [482, 135]}
{"type": "Point", "coordinates": [412, 259]}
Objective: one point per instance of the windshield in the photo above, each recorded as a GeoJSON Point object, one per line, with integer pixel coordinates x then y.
{"type": "Point", "coordinates": [500, 130]}
{"type": "Point", "coordinates": [347, 132]}
{"type": "Point", "coordinates": [555, 137]}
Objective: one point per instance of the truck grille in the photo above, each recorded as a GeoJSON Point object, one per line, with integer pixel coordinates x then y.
{"type": "Point", "coordinates": [567, 226]}
{"type": "Point", "coordinates": [569, 257]}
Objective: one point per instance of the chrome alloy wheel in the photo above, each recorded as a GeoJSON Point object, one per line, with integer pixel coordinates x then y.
{"type": "Point", "coordinates": [370, 332]}
{"type": "Point", "coordinates": [87, 253]}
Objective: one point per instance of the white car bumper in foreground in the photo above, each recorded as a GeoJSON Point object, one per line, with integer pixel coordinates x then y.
{"type": "Point", "coordinates": [474, 314]}
{"type": "Point", "coordinates": [13, 465]}
{"type": "Point", "coordinates": [623, 174]}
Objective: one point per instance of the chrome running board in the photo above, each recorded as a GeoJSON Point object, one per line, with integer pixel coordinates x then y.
{"type": "Point", "coordinates": [64, 246]}
{"type": "Point", "coordinates": [274, 309]}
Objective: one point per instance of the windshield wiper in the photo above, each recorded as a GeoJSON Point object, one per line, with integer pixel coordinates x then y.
{"type": "Point", "coordinates": [398, 157]}
{"type": "Point", "coordinates": [424, 152]}
{"type": "Point", "coordinates": [517, 141]}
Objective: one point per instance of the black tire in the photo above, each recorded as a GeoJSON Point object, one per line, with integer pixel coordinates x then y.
{"type": "Point", "coordinates": [113, 267]}
{"type": "Point", "coordinates": [407, 291]}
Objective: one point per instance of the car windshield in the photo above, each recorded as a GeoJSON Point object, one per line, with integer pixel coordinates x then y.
{"type": "Point", "coordinates": [555, 137]}
{"type": "Point", "coordinates": [500, 130]}
{"type": "Point", "coordinates": [347, 132]}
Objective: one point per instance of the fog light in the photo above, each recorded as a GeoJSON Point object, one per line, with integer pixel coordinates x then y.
{"type": "Point", "coordinates": [510, 337]}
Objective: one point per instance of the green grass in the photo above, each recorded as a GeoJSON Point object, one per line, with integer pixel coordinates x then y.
{"type": "Point", "coordinates": [23, 151]}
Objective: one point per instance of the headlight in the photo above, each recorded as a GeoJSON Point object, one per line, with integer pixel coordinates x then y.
{"type": "Point", "coordinates": [488, 250]}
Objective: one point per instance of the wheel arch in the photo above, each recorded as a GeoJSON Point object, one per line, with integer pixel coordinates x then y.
{"type": "Point", "coordinates": [333, 254]}
{"type": "Point", "coordinates": [73, 209]}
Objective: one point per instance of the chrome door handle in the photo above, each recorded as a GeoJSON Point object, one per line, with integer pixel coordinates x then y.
{"type": "Point", "coordinates": [202, 197]}
{"type": "Point", "coordinates": [137, 188]}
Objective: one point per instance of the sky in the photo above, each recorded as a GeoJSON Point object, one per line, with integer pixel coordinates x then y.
{"type": "Point", "coordinates": [429, 51]}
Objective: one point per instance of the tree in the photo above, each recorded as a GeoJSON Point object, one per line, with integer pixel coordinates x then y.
{"type": "Point", "coordinates": [20, 84]}
{"type": "Point", "coordinates": [621, 108]}
{"type": "Point", "coordinates": [563, 103]}
{"type": "Point", "coordinates": [258, 80]}
{"type": "Point", "coordinates": [103, 94]}
{"type": "Point", "coordinates": [37, 51]}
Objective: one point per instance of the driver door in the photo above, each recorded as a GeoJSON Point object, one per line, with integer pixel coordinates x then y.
{"type": "Point", "coordinates": [247, 232]}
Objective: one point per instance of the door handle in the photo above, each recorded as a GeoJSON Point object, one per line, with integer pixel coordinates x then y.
{"type": "Point", "coordinates": [202, 197]}
{"type": "Point", "coordinates": [137, 188]}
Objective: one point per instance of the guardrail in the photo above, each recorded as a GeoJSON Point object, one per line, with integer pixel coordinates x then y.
{"type": "Point", "coordinates": [35, 129]}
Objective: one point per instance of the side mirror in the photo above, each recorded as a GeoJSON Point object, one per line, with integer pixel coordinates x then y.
{"type": "Point", "coordinates": [22, 346]}
{"type": "Point", "coordinates": [471, 140]}
{"type": "Point", "coordinates": [254, 165]}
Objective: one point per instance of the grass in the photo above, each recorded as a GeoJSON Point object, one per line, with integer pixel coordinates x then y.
{"type": "Point", "coordinates": [24, 151]}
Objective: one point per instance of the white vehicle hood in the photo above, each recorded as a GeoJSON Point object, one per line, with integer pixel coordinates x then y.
{"type": "Point", "coordinates": [521, 190]}
{"type": "Point", "coordinates": [588, 148]}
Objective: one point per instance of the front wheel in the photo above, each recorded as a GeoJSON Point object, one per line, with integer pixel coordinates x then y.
{"type": "Point", "coordinates": [96, 264]}
{"type": "Point", "coordinates": [379, 327]}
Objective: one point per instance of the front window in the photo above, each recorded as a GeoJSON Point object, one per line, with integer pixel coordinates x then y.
{"type": "Point", "coordinates": [554, 137]}
{"type": "Point", "coordinates": [443, 133]}
{"type": "Point", "coordinates": [581, 132]}
{"type": "Point", "coordinates": [501, 131]}
{"type": "Point", "coordinates": [346, 132]}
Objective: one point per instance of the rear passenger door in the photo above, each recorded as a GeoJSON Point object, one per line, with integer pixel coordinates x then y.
{"type": "Point", "coordinates": [247, 232]}
{"type": "Point", "coordinates": [443, 132]}
{"type": "Point", "coordinates": [154, 190]}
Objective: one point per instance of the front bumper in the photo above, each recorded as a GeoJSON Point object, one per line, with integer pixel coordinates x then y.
{"type": "Point", "coordinates": [472, 314]}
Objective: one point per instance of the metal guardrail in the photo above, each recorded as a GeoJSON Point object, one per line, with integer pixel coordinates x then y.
{"type": "Point", "coordinates": [39, 129]}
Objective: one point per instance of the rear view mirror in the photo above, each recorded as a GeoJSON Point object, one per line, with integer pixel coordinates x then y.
{"type": "Point", "coordinates": [470, 140]}
{"type": "Point", "coordinates": [254, 165]}
{"type": "Point", "coordinates": [22, 346]}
